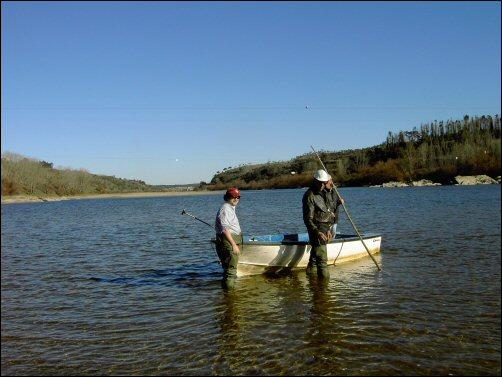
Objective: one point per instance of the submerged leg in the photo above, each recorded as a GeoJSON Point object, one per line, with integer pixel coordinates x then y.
{"type": "Point", "coordinates": [312, 262]}
{"type": "Point", "coordinates": [228, 283]}
{"type": "Point", "coordinates": [322, 262]}
{"type": "Point", "coordinates": [228, 263]}
{"type": "Point", "coordinates": [230, 271]}
{"type": "Point", "coordinates": [312, 258]}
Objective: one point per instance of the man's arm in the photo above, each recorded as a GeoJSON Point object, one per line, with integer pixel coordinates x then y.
{"type": "Point", "coordinates": [308, 217]}
{"type": "Point", "coordinates": [308, 214]}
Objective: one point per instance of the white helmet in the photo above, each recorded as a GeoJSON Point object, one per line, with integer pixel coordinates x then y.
{"type": "Point", "coordinates": [322, 176]}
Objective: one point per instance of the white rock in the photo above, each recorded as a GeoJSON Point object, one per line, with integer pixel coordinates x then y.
{"type": "Point", "coordinates": [395, 184]}
{"type": "Point", "coordinates": [474, 180]}
{"type": "Point", "coordinates": [424, 182]}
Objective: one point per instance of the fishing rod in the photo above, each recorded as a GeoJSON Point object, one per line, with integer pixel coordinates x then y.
{"type": "Point", "coordinates": [195, 217]}
{"type": "Point", "coordinates": [183, 212]}
{"type": "Point", "coordinates": [347, 212]}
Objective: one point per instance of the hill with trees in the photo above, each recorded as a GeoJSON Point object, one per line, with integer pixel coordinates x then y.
{"type": "Point", "coordinates": [28, 176]}
{"type": "Point", "coordinates": [437, 151]}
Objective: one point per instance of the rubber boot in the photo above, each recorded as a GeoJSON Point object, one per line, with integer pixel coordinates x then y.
{"type": "Point", "coordinates": [228, 283]}
{"type": "Point", "coordinates": [310, 266]}
{"type": "Point", "coordinates": [323, 272]}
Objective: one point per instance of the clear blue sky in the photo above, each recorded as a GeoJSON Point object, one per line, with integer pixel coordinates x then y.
{"type": "Point", "coordinates": [173, 92]}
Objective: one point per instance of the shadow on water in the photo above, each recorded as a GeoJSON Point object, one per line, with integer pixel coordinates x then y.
{"type": "Point", "coordinates": [187, 275]}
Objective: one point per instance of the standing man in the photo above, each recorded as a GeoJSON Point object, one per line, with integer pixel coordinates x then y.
{"type": "Point", "coordinates": [228, 236]}
{"type": "Point", "coordinates": [320, 213]}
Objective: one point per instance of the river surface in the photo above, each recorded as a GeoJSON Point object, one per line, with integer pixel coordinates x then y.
{"type": "Point", "coordinates": [131, 287]}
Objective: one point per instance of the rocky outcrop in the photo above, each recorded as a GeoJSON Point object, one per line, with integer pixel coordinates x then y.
{"type": "Point", "coordinates": [475, 180]}
{"type": "Point", "coordinates": [424, 182]}
{"type": "Point", "coordinates": [420, 183]}
{"type": "Point", "coordinates": [395, 184]}
{"type": "Point", "coordinates": [464, 180]}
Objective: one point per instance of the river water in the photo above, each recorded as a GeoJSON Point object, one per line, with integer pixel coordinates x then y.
{"type": "Point", "coordinates": [131, 287]}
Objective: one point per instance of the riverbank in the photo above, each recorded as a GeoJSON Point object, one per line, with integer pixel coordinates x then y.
{"type": "Point", "coordinates": [460, 180]}
{"type": "Point", "coordinates": [34, 199]}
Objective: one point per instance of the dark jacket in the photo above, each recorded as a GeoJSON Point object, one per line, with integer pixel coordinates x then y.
{"type": "Point", "coordinates": [320, 209]}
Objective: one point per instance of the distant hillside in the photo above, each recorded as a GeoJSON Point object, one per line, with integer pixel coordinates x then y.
{"type": "Point", "coordinates": [28, 176]}
{"type": "Point", "coordinates": [437, 151]}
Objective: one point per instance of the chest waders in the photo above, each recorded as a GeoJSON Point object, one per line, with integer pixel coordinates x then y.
{"type": "Point", "coordinates": [319, 252]}
{"type": "Point", "coordinates": [228, 259]}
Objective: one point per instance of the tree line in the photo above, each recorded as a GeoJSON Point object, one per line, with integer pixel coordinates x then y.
{"type": "Point", "coordinates": [437, 151]}
{"type": "Point", "coordinates": [27, 176]}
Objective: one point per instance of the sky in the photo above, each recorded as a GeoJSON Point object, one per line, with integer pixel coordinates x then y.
{"type": "Point", "coordinates": [172, 93]}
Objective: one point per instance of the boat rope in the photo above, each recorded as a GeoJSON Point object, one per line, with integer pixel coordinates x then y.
{"type": "Point", "coordinates": [341, 247]}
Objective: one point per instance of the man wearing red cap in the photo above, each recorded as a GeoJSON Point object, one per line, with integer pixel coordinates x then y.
{"type": "Point", "coordinates": [228, 236]}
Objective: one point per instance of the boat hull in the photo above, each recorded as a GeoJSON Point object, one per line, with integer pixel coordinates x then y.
{"type": "Point", "coordinates": [258, 257]}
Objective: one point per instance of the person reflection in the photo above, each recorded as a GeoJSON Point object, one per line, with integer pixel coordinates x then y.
{"type": "Point", "coordinates": [228, 341]}
{"type": "Point", "coordinates": [319, 312]}
{"type": "Point", "coordinates": [229, 317]}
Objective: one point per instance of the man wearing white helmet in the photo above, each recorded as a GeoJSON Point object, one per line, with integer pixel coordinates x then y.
{"type": "Point", "coordinates": [320, 214]}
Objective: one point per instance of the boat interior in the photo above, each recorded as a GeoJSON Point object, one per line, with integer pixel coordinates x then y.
{"type": "Point", "coordinates": [296, 238]}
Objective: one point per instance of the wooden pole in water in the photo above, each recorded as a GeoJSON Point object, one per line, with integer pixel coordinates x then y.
{"type": "Point", "coordinates": [347, 212]}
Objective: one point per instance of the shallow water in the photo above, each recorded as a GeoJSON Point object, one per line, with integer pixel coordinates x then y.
{"type": "Point", "coordinates": [131, 287]}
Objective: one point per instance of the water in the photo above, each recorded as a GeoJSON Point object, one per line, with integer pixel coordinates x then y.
{"type": "Point", "coordinates": [131, 287]}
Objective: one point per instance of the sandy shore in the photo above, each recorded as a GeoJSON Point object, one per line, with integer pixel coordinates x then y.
{"type": "Point", "coordinates": [33, 199]}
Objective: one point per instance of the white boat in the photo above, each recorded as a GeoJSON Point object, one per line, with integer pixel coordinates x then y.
{"type": "Point", "coordinates": [283, 252]}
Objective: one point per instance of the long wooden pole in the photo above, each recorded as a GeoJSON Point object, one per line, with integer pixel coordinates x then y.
{"type": "Point", "coordinates": [347, 212]}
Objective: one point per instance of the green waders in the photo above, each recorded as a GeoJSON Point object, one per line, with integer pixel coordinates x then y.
{"type": "Point", "coordinates": [319, 253]}
{"type": "Point", "coordinates": [228, 259]}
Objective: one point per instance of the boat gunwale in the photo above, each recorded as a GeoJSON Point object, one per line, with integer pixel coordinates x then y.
{"type": "Point", "coordinates": [343, 238]}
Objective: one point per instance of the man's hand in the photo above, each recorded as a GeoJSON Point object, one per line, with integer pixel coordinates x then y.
{"type": "Point", "coordinates": [322, 236]}
{"type": "Point", "coordinates": [236, 250]}
{"type": "Point", "coordinates": [330, 235]}
{"type": "Point", "coordinates": [235, 247]}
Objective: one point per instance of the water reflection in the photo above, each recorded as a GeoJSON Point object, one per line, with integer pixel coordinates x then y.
{"type": "Point", "coordinates": [263, 313]}
{"type": "Point", "coordinates": [230, 330]}
{"type": "Point", "coordinates": [319, 311]}
{"type": "Point", "coordinates": [325, 331]}
{"type": "Point", "coordinates": [149, 301]}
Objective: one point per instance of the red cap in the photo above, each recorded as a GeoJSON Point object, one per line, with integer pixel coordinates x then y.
{"type": "Point", "coordinates": [233, 192]}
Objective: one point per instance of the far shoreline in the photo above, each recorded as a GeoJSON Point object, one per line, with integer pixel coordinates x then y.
{"type": "Point", "coordinates": [128, 195]}
{"type": "Point", "coordinates": [14, 199]}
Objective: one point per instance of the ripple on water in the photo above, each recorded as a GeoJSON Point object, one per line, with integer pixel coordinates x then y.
{"type": "Point", "coordinates": [131, 287]}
